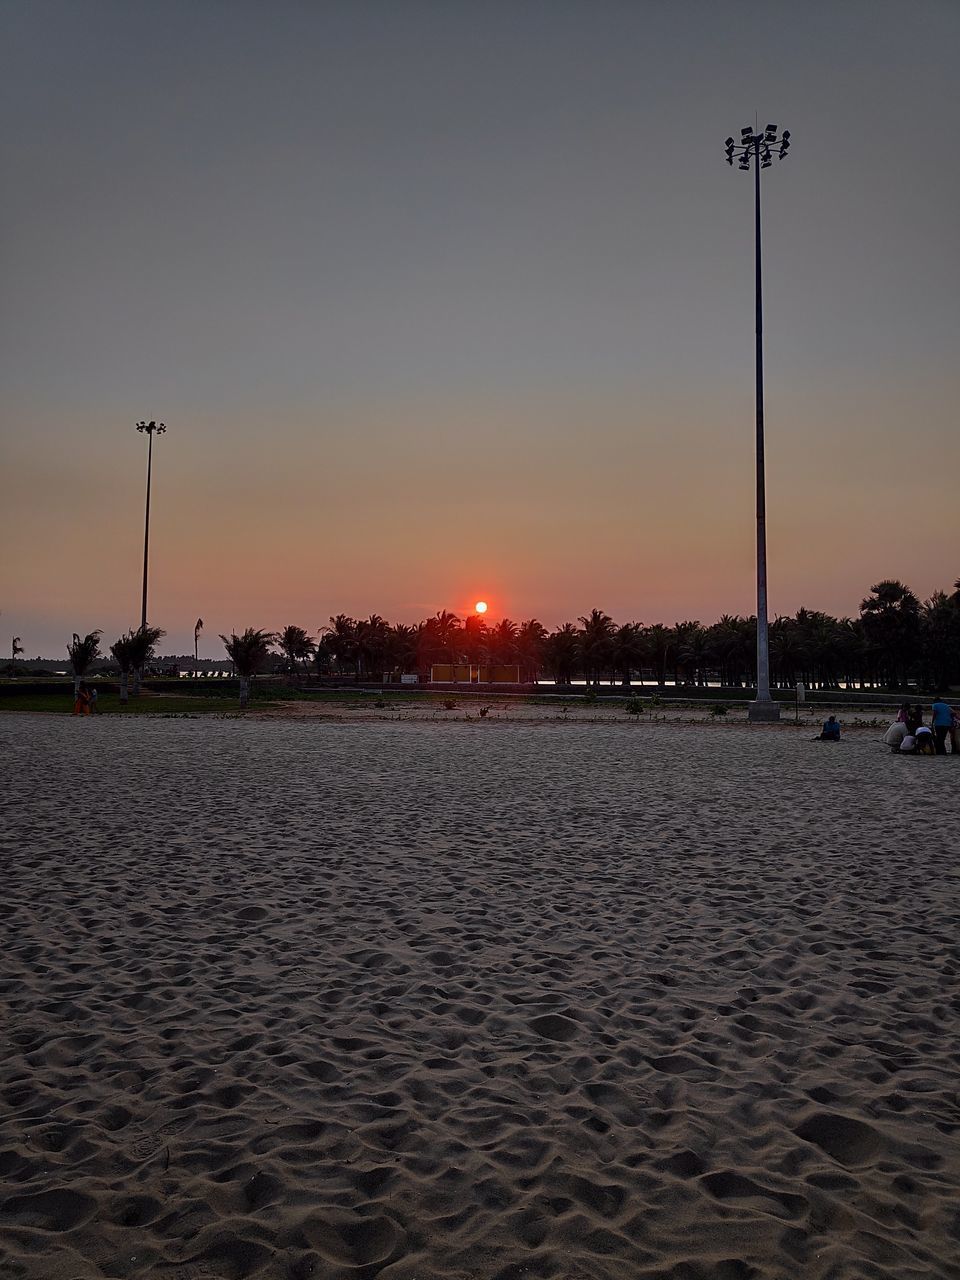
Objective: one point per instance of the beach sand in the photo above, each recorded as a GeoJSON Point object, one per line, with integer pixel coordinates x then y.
{"type": "Point", "coordinates": [475, 1001]}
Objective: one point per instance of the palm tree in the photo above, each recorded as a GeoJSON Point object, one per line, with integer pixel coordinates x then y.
{"type": "Point", "coordinates": [724, 648]}
{"type": "Point", "coordinates": [630, 651]}
{"type": "Point", "coordinates": [940, 641]}
{"type": "Point", "coordinates": [691, 639]}
{"type": "Point", "coordinates": [402, 647]}
{"type": "Point", "coordinates": [503, 643]}
{"type": "Point", "coordinates": [132, 652]}
{"type": "Point", "coordinates": [196, 642]}
{"type": "Point", "coordinates": [82, 654]}
{"type": "Point", "coordinates": [15, 650]}
{"type": "Point", "coordinates": [530, 638]}
{"type": "Point", "coordinates": [472, 640]}
{"type": "Point", "coordinates": [448, 633]}
{"type": "Point", "coordinates": [562, 653]}
{"type": "Point", "coordinates": [660, 641]}
{"type": "Point", "coordinates": [323, 657]}
{"type": "Point", "coordinates": [248, 653]}
{"type": "Point", "coordinates": [341, 642]}
{"type": "Point", "coordinates": [891, 624]}
{"type": "Point", "coordinates": [373, 639]}
{"type": "Point", "coordinates": [440, 639]}
{"type": "Point", "coordinates": [596, 644]}
{"type": "Point", "coordinates": [122, 650]}
{"type": "Point", "coordinates": [687, 640]}
{"type": "Point", "coordinates": [297, 647]}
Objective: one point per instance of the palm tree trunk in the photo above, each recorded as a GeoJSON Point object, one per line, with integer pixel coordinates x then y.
{"type": "Point", "coordinates": [124, 687]}
{"type": "Point", "coordinates": [244, 692]}
{"type": "Point", "coordinates": [137, 677]}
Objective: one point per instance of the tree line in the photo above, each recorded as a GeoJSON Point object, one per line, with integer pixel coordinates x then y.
{"type": "Point", "coordinates": [897, 641]}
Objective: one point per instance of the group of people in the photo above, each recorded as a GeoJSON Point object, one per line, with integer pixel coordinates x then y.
{"type": "Point", "coordinates": [910, 734]}
{"type": "Point", "coordinates": [86, 700]}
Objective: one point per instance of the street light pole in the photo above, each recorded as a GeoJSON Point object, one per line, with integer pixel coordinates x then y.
{"type": "Point", "coordinates": [151, 428]}
{"type": "Point", "coordinates": [756, 147]}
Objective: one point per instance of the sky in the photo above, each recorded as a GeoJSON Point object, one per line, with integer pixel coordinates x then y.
{"type": "Point", "coordinates": [443, 301]}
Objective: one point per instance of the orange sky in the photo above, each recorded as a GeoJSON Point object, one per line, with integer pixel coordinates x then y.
{"type": "Point", "coordinates": [647, 515]}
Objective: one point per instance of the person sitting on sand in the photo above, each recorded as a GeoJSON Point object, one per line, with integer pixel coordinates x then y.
{"type": "Point", "coordinates": [915, 719]}
{"type": "Point", "coordinates": [895, 734]}
{"type": "Point", "coordinates": [830, 731]}
{"type": "Point", "coordinates": [908, 747]}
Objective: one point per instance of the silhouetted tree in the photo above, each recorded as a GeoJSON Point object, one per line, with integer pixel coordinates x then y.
{"type": "Point", "coordinates": [530, 639]}
{"type": "Point", "coordinates": [940, 641]}
{"type": "Point", "coordinates": [891, 626]}
{"type": "Point", "coordinates": [82, 654]}
{"type": "Point", "coordinates": [629, 650]}
{"type": "Point", "coordinates": [341, 644]}
{"type": "Point", "coordinates": [296, 646]}
{"type": "Point", "coordinates": [562, 653]}
{"type": "Point", "coordinates": [660, 645]}
{"type": "Point", "coordinates": [503, 643]}
{"type": "Point", "coordinates": [402, 648]}
{"type": "Point", "coordinates": [132, 652]}
{"type": "Point", "coordinates": [248, 653]}
{"type": "Point", "coordinates": [596, 644]}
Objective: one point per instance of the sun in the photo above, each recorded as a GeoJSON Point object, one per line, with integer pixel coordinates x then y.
{"type": "Point", "coordinates": [480, 606]}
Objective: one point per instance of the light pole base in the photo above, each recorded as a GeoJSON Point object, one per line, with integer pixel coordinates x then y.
{"type": "Point", "coordinates": [765, 712]}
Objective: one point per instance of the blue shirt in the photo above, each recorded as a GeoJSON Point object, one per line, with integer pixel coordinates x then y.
{"type": "Point", "coordinates": [942, 714]}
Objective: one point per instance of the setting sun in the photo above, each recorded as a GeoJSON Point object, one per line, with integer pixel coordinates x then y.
{"type": "Point", "coordinates": [480, 606]}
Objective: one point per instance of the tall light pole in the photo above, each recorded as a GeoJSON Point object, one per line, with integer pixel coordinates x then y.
{"type": "Point", "coordinates": [152, 429]}
{"type": "Point", "coordinates": [756, 147]}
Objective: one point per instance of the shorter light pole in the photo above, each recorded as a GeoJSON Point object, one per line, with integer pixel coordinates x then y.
{"type": "Point", "coordinates": [151, 428]}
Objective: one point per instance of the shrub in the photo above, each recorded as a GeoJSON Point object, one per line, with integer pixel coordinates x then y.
{"type": "Point", "coordinates": [449, 704]}
{"type": "Point", "coordinates": [635, 707]}
{"type": "Point", "coordinates": [719, 710]}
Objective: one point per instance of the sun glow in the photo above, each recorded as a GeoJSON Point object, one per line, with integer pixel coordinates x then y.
{"type": "Point", "coordinates": [480, 606]}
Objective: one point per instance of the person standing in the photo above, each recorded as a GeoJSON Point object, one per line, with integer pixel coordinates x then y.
{"type": "Point", "coordinates": [942, 723]}
{"type": "Point", "coordinates": [93, 699]}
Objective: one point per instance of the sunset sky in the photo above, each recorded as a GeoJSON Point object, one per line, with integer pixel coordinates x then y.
{"type": "Point", "coordinates": [447, 301]}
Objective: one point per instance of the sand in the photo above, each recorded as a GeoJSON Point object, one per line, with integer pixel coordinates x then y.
{"type": "Point", "coordinates": [291, 999]}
